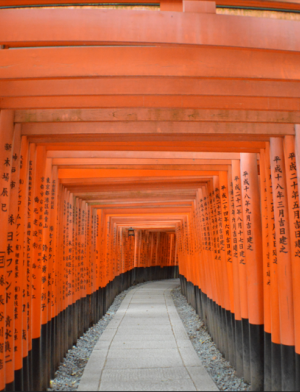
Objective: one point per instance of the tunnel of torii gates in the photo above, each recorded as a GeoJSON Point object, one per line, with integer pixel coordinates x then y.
{"type": "Point", "coordinates": [177, 120]}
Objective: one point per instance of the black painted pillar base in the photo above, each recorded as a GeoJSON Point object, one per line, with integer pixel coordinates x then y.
{"type": "Point", "coordinates": [257, 357]}
{"type": "Point", "coordinates": [246, 350]}
{"type": "Point", "coordinates": [45, 358]}
{"type": "Point", "coordinates": [288, 368]}
{"type": "Point", "coordinates": [276, 367]}
{"type": "Point", "coordinates": [30, 370]}
{"type": "Point", "coordinates": [230, 337]}
{"type": "Point", "coordinates": [267, 362]}
{"type": "Point", "coordinates": [10, 387]}
{"type": "Point", "coordinates": [26, 375]}
{"type": "Point", "coordinates": [239, 348]}
{"type": "Point", "coordinates": [19, 380]}
{"type": "Point", "coordinates": [297, 366]}
{"type": "Point", "coordinates": [36, 364]}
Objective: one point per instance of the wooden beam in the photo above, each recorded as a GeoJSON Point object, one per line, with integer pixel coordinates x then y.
{"type": "Point", "coordinates": [135, 196]}
{"type": "Point", "coordinates": [95, 190]}
{"type": "Point", "coordinates": [99, 173]}
{"type": "Point", "coordinates": [145, 162]}
{"type": "Point", "coordinates": [177, 210]}
{"type": "Point", "coordinates": [150, 205]}
{"type": "Point", "coordinates": [182, 146]}
{"type": "Point", "coordinates": [142, 155]}
{"type": "Point", "coordinates": [155, 115]}
{"type": "Point", "coordinates": [98, 188]}
{"type": "Point", "coordinates": [136, 180]}
{"type": "Point", "coordinates": [145, 127]}
{"type": "Point", "coordinates": [133, 101]}
{"type": "Point", "coordinates": [137, 86]}
{"type": "Point", "coordinates": [34, 27]}
{"type": "Point", "coordinates": [275, 4]}
{"type": "Point", "coordinates": [128, 203]}
{"type": "Point", "coordinates": [149, 61]}
{"type": "Point", "coordinates": [137, 166]}
{"type": "Point", "coordinates": [47, 3]}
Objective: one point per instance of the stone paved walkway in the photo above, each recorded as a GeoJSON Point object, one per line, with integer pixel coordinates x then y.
{"type": "Point", "coordinates": [145, 347]}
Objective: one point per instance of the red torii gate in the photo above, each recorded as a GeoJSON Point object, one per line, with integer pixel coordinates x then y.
{"type": "Point", "coordinates": [180, 119]}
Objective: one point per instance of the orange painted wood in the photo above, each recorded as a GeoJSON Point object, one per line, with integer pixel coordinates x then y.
{"type": "Point", "coordinates": [252, 236]}
{"type": "Point", "coordinates": [58, 116]}
{"type": "Point", "coordinates": [275, 318]}
{"type": "Point", "coordinates": [12, 338]}
{"type": "Point", "coordinates": [96, 26]}
{"type": "Point", "coordinates": [193, 102]}
{"type": "Point", "coordinates": [133, 127]}
{"type": "Point", "coordinates": [21, 281]}
{"type": "Point", "coordinates": [194, 146]}
{"type": "Point", "coordinates": [239, 246]}
{"type": "Point", "coordinates": [294, 226]}
{"type": "Point", "coordinates": [227, 235]}
{"type": "Point", "coordinates": [283, 4]}
{"type": "Point", "coordinates": [14, 357]}
{"type": "Point", "coordinates": [164, 140]}
{"type": "Point", "coordinates": [30, 238]}
{"type": "Point", "coordinates": [37, 241]}
{"type": "Point", "coordinates": [222, 257]}
{"type": "Point", "coordinates": [136, 86]}
{"type": "Point", "coordinates": [234, 249]}
{"type": "Point", "coordinates": [6, 145]}
{"type": "Point", "coordinates": [266, 241]}
{"type": "Point", "coordinates": [142, 155]}
{"type": "Point", "coordinates": [53, 251]}
{"type": "Point", "coordinates": [280, 200]}
{"type": "Point", "coordinates": [46, 259]}
{"type": "Point", "coordinates": [153, 61]}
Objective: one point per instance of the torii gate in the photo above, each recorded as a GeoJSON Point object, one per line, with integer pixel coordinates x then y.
{"type": "Point", "coordinates": [179, 120]}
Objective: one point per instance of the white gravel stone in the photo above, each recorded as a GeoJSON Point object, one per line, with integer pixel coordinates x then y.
{"type": "Point", "coordinates": [219, 369]}
{"type": "Point", "coordinates": [68, 376]}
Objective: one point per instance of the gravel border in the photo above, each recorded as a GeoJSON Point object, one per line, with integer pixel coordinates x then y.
{"type": "Point", "coordinates": [70, 371]}
{"type": "Point", "coordinates": [219, 369]}
{"type": "Point", "coordinates": [68, 376]}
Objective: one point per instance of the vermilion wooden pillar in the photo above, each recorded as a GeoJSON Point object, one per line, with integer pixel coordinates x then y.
{"type": "Point", "coordinates": [201, 233]}
{"type": "Point", "coordinates": [37, 261]}
{"type": "Point", "coordinates": [53, 256]}
{"type": "Point", "coordinates": [23, 297]}
{"type": "Point", "coordinates": [266, 240]}
{"type": "Point", "coordinates": [29, 254]}
{"type": "Point", "coordinates": [284, 257]}
{"type": "Point", "coordinates": [297, 151]}
{"type": "Point", "coordinates": [227, 238]}
{"type": "Point", "coordinates": [236, 282]}
{"type": "Point", "coordinates": [275, 319]}
{"type": "Point", "coordinates": [13, 342]}
{"type": "Point", "coordinates": [6, 148]}
{"type": "Point", "coordinates": [253, 249]}
{"type": "Point", "coordinates": [294, 225]}
{"type": "Point", "coordinates": [239, 250]}
{"type": "Point", "coordinates": [220, 265]}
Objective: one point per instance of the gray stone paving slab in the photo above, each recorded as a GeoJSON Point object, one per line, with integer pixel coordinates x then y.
{"type": "Point", "coordinates": [176, 379]}
{"type": "Point", "coordinates": [141, 337]}
{"type": "Point", "coordinates": [145, 347]}
{"type": "Point", "coordinates": [139, 359]}
{"type": "Point", "coordinates": [148, 330]}
{"type": "Point", "coordinates": [200, 379]}
{"type": "Point", "coordinates": [108, 334]}
{"type": "Point", "coordinates": [153, 344]}
{"type": "Point", "coordinates": [154, 322]}
{"type": "Point", "coordinates": [91, 376]}
{"type": "Point", "coordinates": [190, 357]}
